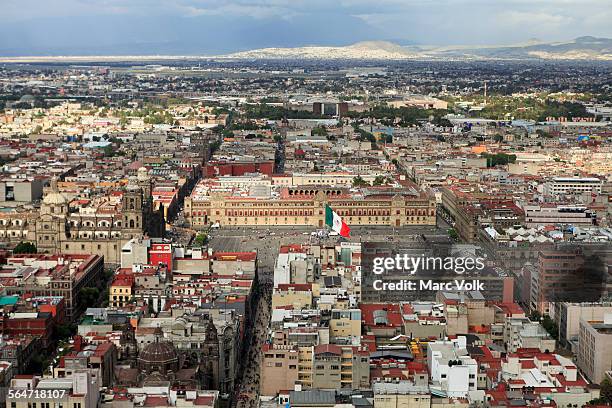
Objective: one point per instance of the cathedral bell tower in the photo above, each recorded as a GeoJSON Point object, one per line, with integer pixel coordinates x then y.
{"type": "Point", "coordinates": [132, 209]}
{"type": "Point", "coordinates": [144, 182]}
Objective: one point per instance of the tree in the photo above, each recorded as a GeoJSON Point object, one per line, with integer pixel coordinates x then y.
{"type": "Point", "coordinates": [109, 151]}
{"type": "Point", "coordinates": [201, 240]}
{"type": "Point", "coordinates": [499, 158]}
{"type": "Point", "coordinates": [319, 131]}
{"type": "Point", "coordinates": [88, 297]}
{"type": "Point", "coordinates": [63, 331]}
{"type": "Point", "coordinates": [605, 393]}
{"type": "Point", "coordinates": [378, 181]}
{"type": "Point", "coordinates": [359, 182]}
{"type": "Point", "coordinates": [498, 138]}
{"type": "Point", "coordinates": [550, 326]}
{"type": "Point", "coordinates": [25, 248]}
{"type": "Point", "coordinates": [606, 390]}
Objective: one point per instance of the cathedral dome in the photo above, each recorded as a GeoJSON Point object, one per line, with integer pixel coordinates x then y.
{"type": "Point", "coordinates": [143, 174]}
{"type": "Point", "coordinates": [54, 197]}
{"type": "Point", "coordinates": [160, 356]}
{"type": "Point", "coordinates": [159, 352]}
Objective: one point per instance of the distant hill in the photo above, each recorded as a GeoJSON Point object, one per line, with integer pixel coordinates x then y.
{"type": "Point", "coordinates": [582, 48]}
{"type": "Point", "coordinates": [361, 50]}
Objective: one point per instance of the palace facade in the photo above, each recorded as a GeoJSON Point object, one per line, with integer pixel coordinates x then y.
{"type": "Point", "coordinates": [305, 206]}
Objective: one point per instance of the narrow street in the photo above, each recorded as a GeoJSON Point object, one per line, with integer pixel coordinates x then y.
{"type": "Point", "coordinates": [247, 394]}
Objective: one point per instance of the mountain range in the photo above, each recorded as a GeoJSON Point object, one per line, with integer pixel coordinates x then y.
{"type": "Point", "coordinates": [582, 48]}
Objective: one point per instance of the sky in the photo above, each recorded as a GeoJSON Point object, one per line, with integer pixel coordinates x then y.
{"type": "Point", "coordinates": [213, 27]}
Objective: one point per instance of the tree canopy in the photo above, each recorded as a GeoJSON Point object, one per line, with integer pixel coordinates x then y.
{"type": "Point", "coordinates": [25, 248]}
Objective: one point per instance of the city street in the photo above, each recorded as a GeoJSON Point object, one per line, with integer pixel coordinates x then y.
{"type": "Point", "coordinates": [247, 395]}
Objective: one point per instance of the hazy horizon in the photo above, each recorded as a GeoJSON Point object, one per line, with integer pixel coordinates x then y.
{"type": "Point", "coordinates": [212, 27]}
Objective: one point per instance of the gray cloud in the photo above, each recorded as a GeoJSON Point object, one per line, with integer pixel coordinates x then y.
{"type": "Point", "coordinates": [240, 24]}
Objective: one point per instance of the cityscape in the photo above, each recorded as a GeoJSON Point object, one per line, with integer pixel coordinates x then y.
{"type": "Point", "coordinates": [367, 223]}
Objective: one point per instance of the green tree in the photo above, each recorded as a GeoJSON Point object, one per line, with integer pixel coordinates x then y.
{"type": "Point", "coordinates": [379, 181]}
{"type": "Point", "coordinates": [88, 297]}
{"type": "Point", "coordinates": [201, 240]}
{"type": "Point", "coordinates": [25, 248]}
{"type": "Point", "coordinates": [109, 151]}
{"type": "Point", "coordinates": [63, 331]}
{"type": "Point", "coordinates": [359, 182]}
{"type": "Point", "coordinates": [605, 392]}
{"type": "Point", "coordinates": [319, 131]}
{"type": "Point", "coordinates": [498, 158]}
{"type": "Point", "coordinates": [550, 326]}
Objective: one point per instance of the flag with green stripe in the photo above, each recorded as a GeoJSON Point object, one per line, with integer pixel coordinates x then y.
{"type": "Point", "coordinates": [336, 223]}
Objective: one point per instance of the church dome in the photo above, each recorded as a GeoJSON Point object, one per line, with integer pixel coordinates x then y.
{"type": "Point", "coordinates": [159, 356]}
{"type": "Point", "coordinates": [143, 174]}
{"type": "Point", "coordinates": [159, 352]}
{"type": "Point", "coordinates": [54, 197]}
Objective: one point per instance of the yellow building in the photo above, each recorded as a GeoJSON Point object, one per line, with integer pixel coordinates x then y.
{"type": "Point", "coordinates": [298, 296]}
{"type": "Point", "coordinates": [121, 290]}
{"type": "Point", "coordinates": [306, 206]}
{"type": "Point", "coordinates": [401, 395]}
{"type": "Point", "coordinates": [345, 325]}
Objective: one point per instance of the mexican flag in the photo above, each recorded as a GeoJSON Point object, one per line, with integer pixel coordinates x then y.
{"type": "Point", "coordinates": [336, 223]}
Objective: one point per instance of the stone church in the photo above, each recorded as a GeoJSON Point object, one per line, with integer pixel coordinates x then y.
{"type": "Point", "coordinates": [100, 229]}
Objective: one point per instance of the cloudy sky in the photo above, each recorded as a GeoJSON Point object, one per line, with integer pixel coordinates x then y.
{"type": "Point", "coordinates": [208, 27]}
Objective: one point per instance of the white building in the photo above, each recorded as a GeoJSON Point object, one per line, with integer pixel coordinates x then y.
{"type": "Point", "coordinates": [566, 185]}
{"type": "Point", "coordinates": [451, 369]}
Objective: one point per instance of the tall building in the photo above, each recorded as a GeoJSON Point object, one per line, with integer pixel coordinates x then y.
{"type": "Point", "coordinates": [595, 347]}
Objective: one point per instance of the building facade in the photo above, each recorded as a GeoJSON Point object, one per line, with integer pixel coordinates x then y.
{"type": "Point", "coordinates": [58, 228]}
{"type": "Point", "coordinates": [595, 348]}
{"type": "Point", "coordinates": [306, 206]}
